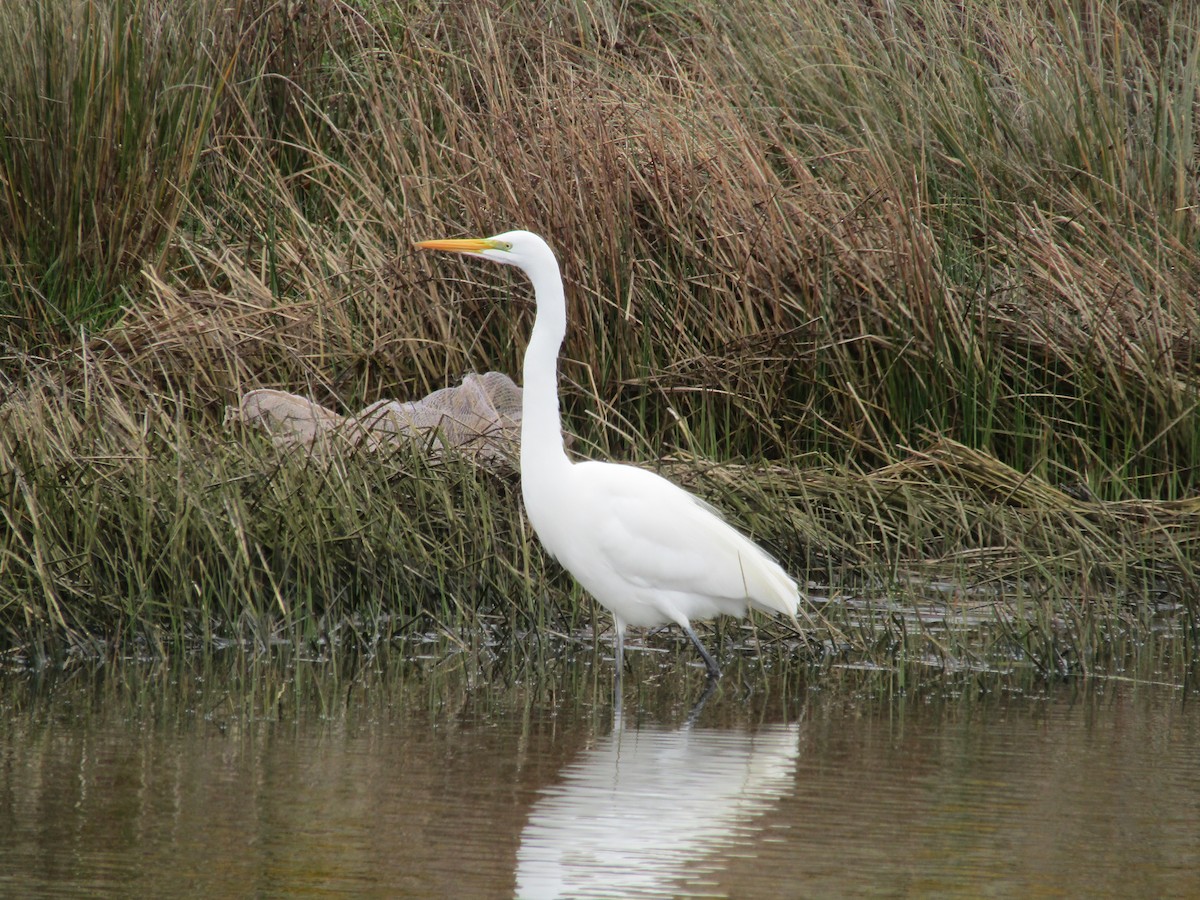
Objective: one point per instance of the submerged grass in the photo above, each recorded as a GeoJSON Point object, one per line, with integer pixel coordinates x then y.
{"type": "Point", "coordinates": [911, 291]}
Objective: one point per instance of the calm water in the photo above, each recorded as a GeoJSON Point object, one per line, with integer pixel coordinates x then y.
{"type": "Point", "coordinates": [427, 779]}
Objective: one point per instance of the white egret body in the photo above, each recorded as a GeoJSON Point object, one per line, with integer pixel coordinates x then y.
{"type": "Point", "coordinates": [647, 550]}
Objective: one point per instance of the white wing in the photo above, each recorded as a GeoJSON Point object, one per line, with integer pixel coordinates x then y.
{"type": "Point", "coordinates": [626, 532]}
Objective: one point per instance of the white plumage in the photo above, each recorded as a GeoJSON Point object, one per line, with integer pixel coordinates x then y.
{"type": "Point", "coordinates": [647, 550]}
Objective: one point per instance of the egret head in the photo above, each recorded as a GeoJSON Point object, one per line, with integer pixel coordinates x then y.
{"type": "Point", "coordinates": [523, 249]}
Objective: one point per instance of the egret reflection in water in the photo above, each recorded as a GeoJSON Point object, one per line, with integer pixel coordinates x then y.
{"type": "Point", "coordinates": [645, 810]}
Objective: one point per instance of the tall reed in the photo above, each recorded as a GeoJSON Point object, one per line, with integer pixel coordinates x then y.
{"type": "Point", "coordinates": [105, 109]}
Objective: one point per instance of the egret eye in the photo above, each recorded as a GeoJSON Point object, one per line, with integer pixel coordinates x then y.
{"type": "Point", "coordinates": [502, 245]}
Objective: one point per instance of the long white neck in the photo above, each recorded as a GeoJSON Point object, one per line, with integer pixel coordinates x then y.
{"type": "Point", "coordinates": [541, 426]}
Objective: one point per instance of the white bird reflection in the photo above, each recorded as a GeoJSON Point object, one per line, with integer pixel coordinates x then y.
{"type": "Point", "coordinates": [645, 810]}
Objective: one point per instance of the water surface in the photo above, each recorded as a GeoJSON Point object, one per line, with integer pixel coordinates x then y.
{"type": "Point", "coordinates": [432, 778]}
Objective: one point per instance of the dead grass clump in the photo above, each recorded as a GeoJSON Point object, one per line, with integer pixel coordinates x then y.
{"type": "Point", "coordinates": [220, 343]}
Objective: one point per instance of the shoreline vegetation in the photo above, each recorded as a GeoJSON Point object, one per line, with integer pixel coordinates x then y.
{"type": "Point", "coordinates": [911, 292]}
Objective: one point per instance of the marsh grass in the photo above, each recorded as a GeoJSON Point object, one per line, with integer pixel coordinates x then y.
{"type": "Point", "coordinates": [149, 534]}
{"type": "Point", "coordinates": [911, 292]}
{"type": "Point", "coordinates": [106, 109]}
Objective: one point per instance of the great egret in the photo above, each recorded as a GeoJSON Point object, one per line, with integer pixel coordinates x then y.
{"type": "Point", "coordinates": [649, 551]}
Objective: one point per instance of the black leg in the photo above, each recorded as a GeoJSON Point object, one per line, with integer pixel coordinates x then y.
{"type": "Point", "coordinates": [618, 694]}
{"type": "Point", "coordinates": [714, 671]}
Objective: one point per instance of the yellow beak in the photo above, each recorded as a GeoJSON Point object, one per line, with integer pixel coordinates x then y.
{"type": "Point", "coordinates": [462, 245]}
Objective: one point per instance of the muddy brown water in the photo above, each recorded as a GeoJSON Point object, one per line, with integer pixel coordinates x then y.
{"type": "Point", "coordinates": [439, 778]}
